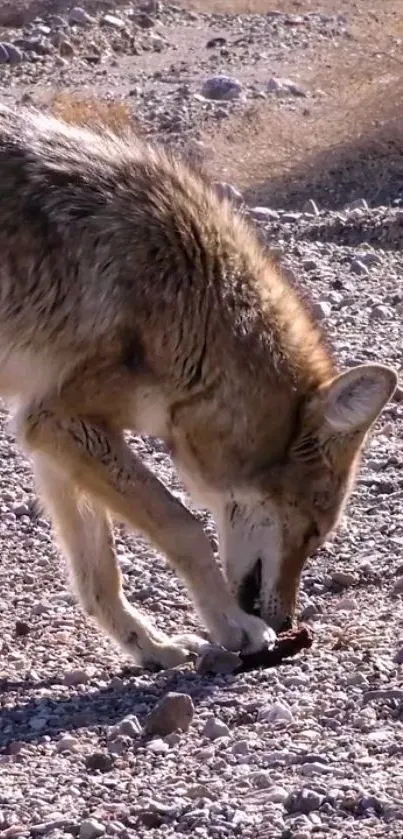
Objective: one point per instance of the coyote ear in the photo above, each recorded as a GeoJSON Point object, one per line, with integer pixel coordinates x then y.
{"type": "Point", "coordinates": [354, 399]}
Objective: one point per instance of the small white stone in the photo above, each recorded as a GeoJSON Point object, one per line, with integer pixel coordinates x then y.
{"type": "Point", "coordinates": [67, 744]}
{"type": "Point", "coordinates": [277, 795]}
{"type": "Point", "coordinates": [276, 713]}
{"type": "Point", "coordinates": [113, 21]}
{"type": "Point", "coordinates": [344, 578]}
{"type": "Point", "coordinates": [346, 604]}
{"type": "Point", "coordinates": [91, 829]}
{"type": "Point", "coordinates": [221, 88]}
{"type": "Point", "coordinates": [79, 17]}
{"type": "Point", "coordinates": [76, 677]}
{"type": "Point", "coordinates": [398, 586]}
{"type": "Point", "coordinates": [322, 309]}
{"type": "Point", "coordinates": [158, 747]}
{"type": "Point", "coordinates": [241, 747]}
{"type": "Point", "coordinates": [215, 728]}
{"type": "Point", "coordinates": [310, 208]}
{"type": "Point", "coordinates": [228, 191]}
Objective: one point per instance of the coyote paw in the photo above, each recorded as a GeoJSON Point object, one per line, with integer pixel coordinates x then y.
{"type": "Point", "coordinates": [171, 652]}
{"type": "Point", "coordinates": [240, 632]}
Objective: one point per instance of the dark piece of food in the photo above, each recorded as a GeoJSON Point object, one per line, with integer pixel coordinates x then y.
{"type": "Point", "coordinates": [287, 644]}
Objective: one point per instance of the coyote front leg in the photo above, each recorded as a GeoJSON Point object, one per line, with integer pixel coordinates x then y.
{"type": "Point", "coordinates": [84, 531]}
{"type": "Point", "coordinates": [98, 462]}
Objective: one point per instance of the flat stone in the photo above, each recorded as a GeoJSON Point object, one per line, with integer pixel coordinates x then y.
{"type": "Point", "coordinates": [306, 801]}
{"type": "Point", "coordinates": [344, 578]}
{"type": "Point", "coordinates": [222, 88]}
{"type": "Point", "coordinates": [282, 86]}
{"type": "Point", "coordinates": [14, 54]}
{"type": "Point", "coordinates": [264, 213]}
{"type": "Point", "coordinates": [174, 712]}
{"type": "Point", "coordinates": [99, 762]}
{"type": "Point", "coordinates": [79, 17]}
{"type": "Point", "coordinates": [67, 744]}
{"type": "Point", "coordinates": [76, 677]}
{"type": "Point", "coordinates": [322, 309]}
{"type": "Point", "coordinates": [113, 22]}
{"type": "Point", "coordinates": [276, 713]}
{"type": "Point", "coordinates": [398, 586]}
{"type": "Point", "coordinates": [358, 267]}
{"type": "Point", "coordinates": [91, 829]}
{"type": "Point", "coordinates": [158, 746]}
{"type": "Point", "coordinates": [228, 191]}
{"type": "Point", "coordinates": [310, 208]}
{"type": "Point", "coordinates": [214, 729]}
{"type": "Point", "coordinates": [218, 661]}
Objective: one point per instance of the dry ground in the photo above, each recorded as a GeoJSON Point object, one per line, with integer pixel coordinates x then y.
{"type": "Point", "coordinates": [349, 144]}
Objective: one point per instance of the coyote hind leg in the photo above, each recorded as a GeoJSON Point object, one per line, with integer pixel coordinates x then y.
{"type": "Point", "coordinates": [85, 534]}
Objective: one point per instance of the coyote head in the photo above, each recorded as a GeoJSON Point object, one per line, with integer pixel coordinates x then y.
{"type": "Point", "coordinates": [269, 528]}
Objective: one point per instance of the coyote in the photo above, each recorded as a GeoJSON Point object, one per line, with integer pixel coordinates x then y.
{"type": "Point", "coordinates": [133, 298]}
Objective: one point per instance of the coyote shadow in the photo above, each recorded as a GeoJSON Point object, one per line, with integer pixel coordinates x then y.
{"type": "Point", "coordinates": [106, 706]}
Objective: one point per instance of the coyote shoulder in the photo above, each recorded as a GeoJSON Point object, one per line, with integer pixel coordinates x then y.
{"type": "Point", "coordinates": [133, 298]}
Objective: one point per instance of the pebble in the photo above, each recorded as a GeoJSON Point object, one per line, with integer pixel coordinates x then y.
{"type": "Point", "coordinates": [358, 204]}
{"type": "Point", "coordinates": [305, 801]}
{"type": "Point", "coordinates": [346, 604]}
{"type": "Point", "coordinates": [223, 88]}
{"type": "Point", "coordinates": [358, 267]}
{"type": "Point", "coordinates": [143, 20]}
{"type": "Point", "coordinates": [260, 779]}
{"type": "Point", "coordinates": [241, 747]}
{"type": "Point", "coordinates": [276, 713]}
{"type": "Point", "coordinates": [399, 656]}
{"type": "Point", "coordinates": [67, 743]}
{"type": "Point", "coordinates": [228, 191]}
{"type": "Point", "coordinates": [398, 586]}
{"type": "Point", "coordinates": [22, 628]}
{"type": "Point", "coordinates": [158, 747]}
{"type": "Point", "coordinates": [3, 54]}
{"type": "Point", "coordinates": [264, 213]}
{"type": "Point", "coordinates": [174, 712]}
{"type": "Point", "coordinates": [280, 86]}
{"type": "Point", "coordinates": [79, 17]}
{"type": "Point", "coordinates": [129, 727]}
{"type": "Point", "coordinates": [344, 578]}
{"type": "Point", "coordinates": [91, 829]}
{"type": "Point", "coordinates": [218, 661]}
{"type": "Point", "coordinates": [119, 745]}
{"type": "Point", "coordinates": [13, 53]}
{"type": "Point", "coordinates": [214, 729]}
{"type": "Point", "coordinates": [99, 762]}
{"type": "Point", "coordinates": [66, 48]}
{"type": "Point", "coordinates": [277, 795]}
{"type": "Point", "coordinates": [310, 208]}
{"type": "Point", "coordinates": [322, 309]}
{"type": "Point", "coordinates": [76, 677]}
{"type": "Point", "coordinates": [380, 312]}
{"type": "Point", "coordinates": [113, 21]}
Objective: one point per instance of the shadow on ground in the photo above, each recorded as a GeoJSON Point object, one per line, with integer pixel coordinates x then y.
{"type": "Point", "coordinates": [22, 721]}
{"type": "Point", "coordinates": [369, 167]}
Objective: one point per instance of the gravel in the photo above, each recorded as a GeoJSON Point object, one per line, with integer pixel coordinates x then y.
{"type": "Point", "coordinates": [89, 744]}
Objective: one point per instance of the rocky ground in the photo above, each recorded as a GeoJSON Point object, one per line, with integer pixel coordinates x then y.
{"type": "Point", "coordinates": [315, 747]}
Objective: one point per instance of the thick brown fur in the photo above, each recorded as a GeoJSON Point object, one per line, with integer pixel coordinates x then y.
{"type": "Point", "coordinates": [132, 297]}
